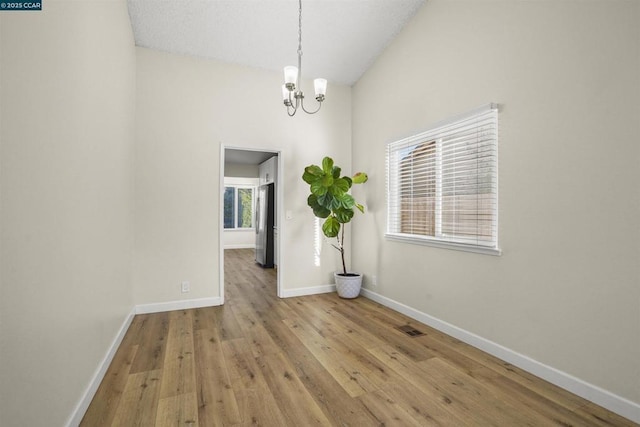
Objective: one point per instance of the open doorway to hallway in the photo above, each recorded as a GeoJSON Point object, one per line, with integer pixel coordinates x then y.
{"type": "Point", "coordinates": [249, 244]}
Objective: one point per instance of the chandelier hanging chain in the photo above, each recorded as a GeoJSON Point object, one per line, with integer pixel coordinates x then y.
{"type": "Point", "coordinates": [299, 28]}
{"type": "Point", "coordinates": [291, 90]}
{"type": "Point", "coordinates": [299, 40]}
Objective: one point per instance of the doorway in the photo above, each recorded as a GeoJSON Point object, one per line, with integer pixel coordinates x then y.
{"type": "Point", "coordinates": [245, 175]}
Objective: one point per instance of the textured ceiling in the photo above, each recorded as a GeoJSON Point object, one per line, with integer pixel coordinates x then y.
{"type": "Point", "coordinates": [340, 38]}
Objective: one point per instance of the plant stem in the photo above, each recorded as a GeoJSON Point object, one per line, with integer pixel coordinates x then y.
{"type": "Point", "coordinates": [341, 244]}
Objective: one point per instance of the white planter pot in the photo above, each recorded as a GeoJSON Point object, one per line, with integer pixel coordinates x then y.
{"type": "Point", "coordinates": [348, 286]}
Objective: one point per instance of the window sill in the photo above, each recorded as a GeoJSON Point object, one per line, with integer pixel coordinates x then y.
{"type": "Point", "coordinates": [239, 229]}
{"type": "Point", "coordinates": [444, 245]}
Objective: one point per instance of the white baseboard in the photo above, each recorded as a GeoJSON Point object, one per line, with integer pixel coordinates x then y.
{"type": "Point", "coordinates": [98, 376]}
{"type": "Point", "coordinates": [241, 246]}
{"type": "Point", "coordinates": [177, 305]}
{"type": "Point", "coordinates": [299, 292]}
{"type": "Point", "coordinates": [595, 394]}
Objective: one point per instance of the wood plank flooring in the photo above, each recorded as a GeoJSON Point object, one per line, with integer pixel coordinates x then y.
{"type": "Point", "coordinates": [317, 360]}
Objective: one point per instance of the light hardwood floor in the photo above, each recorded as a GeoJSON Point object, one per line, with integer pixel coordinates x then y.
{"type": "Point", "coordinates": [317, 360]}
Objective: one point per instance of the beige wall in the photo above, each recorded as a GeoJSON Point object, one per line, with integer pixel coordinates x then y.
{"type": "Point", "coordinates": [67, 129]}
{"type": "Point", "coordinates": [187, 108]}
{"type": "Point", "coordinates": [566, 291]}
{"type": "Point", "coordinates": [237, 170]}
{"type": "Point", "coordinates": [236, 239]}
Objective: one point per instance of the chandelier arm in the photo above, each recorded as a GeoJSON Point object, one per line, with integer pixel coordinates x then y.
{"type": "Point", "coordinates": [291, 108]}
{"type": "Point", "coordinates": [310, 112]}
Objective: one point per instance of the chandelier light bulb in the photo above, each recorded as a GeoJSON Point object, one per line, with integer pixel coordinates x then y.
{"type": "Point", "coordinates": [286, 95]}
{"type": "Point", "coordinates": [290, 77]}
{"type": "Point", "coordinates": [320, 86]}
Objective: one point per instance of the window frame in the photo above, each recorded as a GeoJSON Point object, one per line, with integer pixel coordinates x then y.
{"type": "Point", "coordinates": [237, 187]}
{"type": "Point", "coordinates": [436, 134]}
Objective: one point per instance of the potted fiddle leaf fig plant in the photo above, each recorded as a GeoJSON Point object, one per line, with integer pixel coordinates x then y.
{"type": "Point", "coordinates": [330, 200]}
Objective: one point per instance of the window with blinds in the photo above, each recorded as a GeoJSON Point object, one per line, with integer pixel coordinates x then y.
{"type": "Point", "coordinates": [442, 184]}
{"type": "Point", "coordinates": [239, 202]}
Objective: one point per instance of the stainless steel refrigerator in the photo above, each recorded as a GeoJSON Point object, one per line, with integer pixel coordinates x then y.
{"type": "Point", "coordinates": [265, 215]}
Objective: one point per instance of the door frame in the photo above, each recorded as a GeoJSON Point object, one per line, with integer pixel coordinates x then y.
{"type": "Point", "coordinates": [279, 209]}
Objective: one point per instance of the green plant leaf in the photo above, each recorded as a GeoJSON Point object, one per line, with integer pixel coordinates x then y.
{"type": "Point", "coordinates": [327, 181]}
{"type": "Point", "coordinates": [318, 188]}
{"type": "Point", "coordinates": [349, 180]}
{"type": "Point", "coordinates": [336, 203]}
{"type": "Point", "coordinates": [331, 227]}
{"type": "Point", "coordinates": [308, 177]}
{"type": "Point", "coordinates": [347, 201]}
{"type": "Point", "coordinates": [321, 212]}
{"type": "Point", "coordinates": [311, 173]}
{"type": "Point", "coordinates": [360, 178]}
{"type": "Point", "coordinates": [343, 215]}
{"type": "Point", "coordinates": [327, 201]}
{"type": "Point", "coordinates": [360, 207]}
{"type": "Point", "coordinates": [318, 210]}
{"type": "Point", "coordinates": [327, 165]}
{"type": "Point", "coordinates": [340, 186]}
{"type": "Point", "coordinates": [312, 201]}
{"type": "Point", "coordinates": [336, 172]}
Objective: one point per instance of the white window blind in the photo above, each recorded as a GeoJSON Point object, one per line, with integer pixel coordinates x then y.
{"type": "Point", "coordinates": [442, 184]}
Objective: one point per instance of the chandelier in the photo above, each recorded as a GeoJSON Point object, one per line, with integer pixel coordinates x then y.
{"type": "Point", "coordinates": [291, 92]}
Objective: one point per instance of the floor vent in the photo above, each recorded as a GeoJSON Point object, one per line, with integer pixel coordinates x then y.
{"type": "Point", "coordinates": [410, 330]}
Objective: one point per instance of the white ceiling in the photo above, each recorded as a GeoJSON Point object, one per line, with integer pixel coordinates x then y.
{"type": "Point", "coordinates": [340, 38]}
{"type": "Point", "coordinates": [246, 157]}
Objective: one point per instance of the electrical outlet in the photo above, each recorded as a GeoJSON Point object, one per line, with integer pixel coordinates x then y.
{"type": "Point", "coordinates": [185, 287]}
{"type": "Point", "coordinates": [374, 280]}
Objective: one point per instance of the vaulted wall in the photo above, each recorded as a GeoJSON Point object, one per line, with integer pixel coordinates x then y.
{"type": "Point", "coordinates": [566, 290]}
